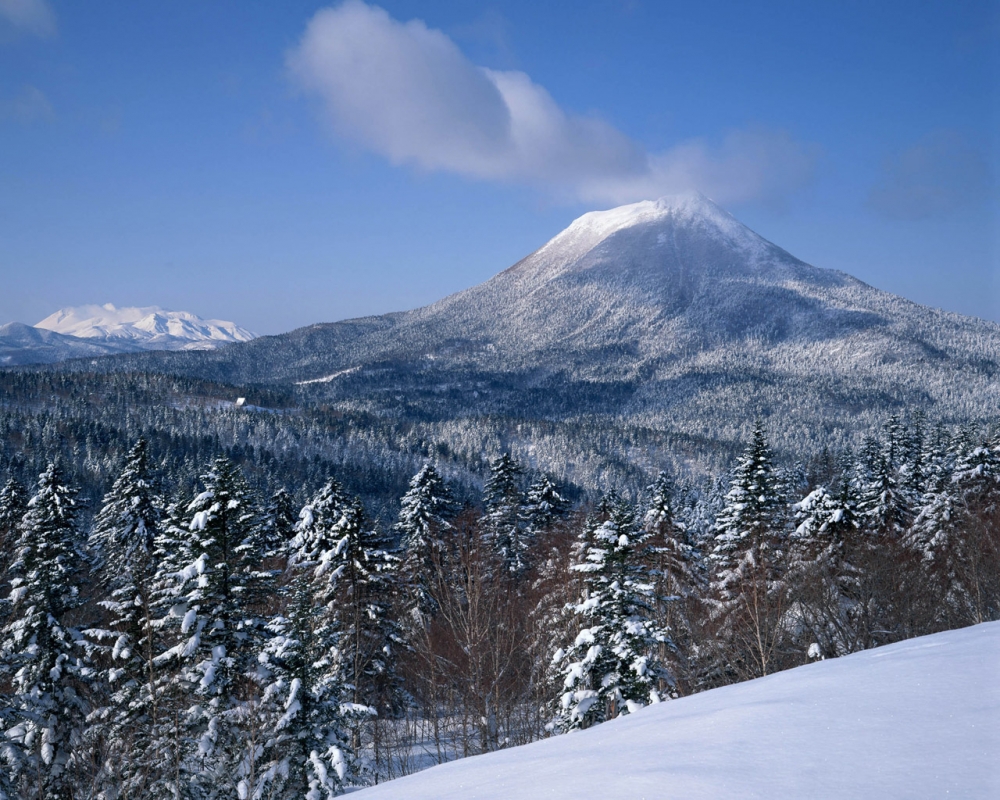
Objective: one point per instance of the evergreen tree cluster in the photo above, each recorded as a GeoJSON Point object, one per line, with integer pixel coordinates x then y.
{"type": "Point", "coordinates": [210, 642]}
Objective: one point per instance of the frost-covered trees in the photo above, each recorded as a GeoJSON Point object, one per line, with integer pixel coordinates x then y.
{"type": "Point", "coordinates": [306, 751]}
{"type": "Point", "coordinates": [747, 561]}
{"type": "Point", "coordinates": [677, 573]}
{"type": "Point", "coordinates": [123, 539]}
{"type": "Point", "coordinates": [41, 649]}
{"type": "Point", "coordinates": [423, 529]}
{"type": "Point", "coordinates": [543, 505]}
{"type": "Point", "coordinates": [957, 535]}
{"type": "Point", "coordinates": [13, 505]}
{"type": "Point", "coordinates": [504, 517]}
{"type": "Point", "coordinates": [217, 597]}
{"type": "Point", "coordinates": [611, 667]}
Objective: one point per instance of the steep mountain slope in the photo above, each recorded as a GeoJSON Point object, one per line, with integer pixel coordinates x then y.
{"type": "Point", "coordinates": [919, 718]}
{"type": "Point", "coordinates": [149, 328]}
{"type": "Point", "coordinates": [667, 317]}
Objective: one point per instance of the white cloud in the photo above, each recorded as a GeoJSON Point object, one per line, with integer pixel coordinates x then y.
{"type": "Point", "coordinates": [33, 16]}
{"type": "Point", "coordinates": [406, 91]}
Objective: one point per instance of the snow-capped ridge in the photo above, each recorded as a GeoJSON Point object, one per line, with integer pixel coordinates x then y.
{"type": "Point", "coordinates": [148, 327]}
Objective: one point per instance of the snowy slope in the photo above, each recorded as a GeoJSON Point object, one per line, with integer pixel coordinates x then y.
{"type": "Point", "coordinates": [918, 719]}
{"type": "Point", "coordinates": [149, 328]}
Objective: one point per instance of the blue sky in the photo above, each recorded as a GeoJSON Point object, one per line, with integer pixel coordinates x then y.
{"type": "Point", "coordinates": [279, 164]}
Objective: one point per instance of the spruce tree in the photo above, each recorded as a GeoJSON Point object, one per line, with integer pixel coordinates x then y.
{"type": "Point", "coordinates": [747, 565]}
{"type": "Point", "coordinates": [423, 529]}
{"type": "Point", "coordinates": [543, 505]}
{"type": "Point", "coordinates": [279, 522]}
{"type": "Point", "coordinates": [611, 667]}
{"type": "Point", "coordinates": [308, 750]}
{"type": "Point", "coordinates": [317, 520]}
{"type": "Point", "coordinates": [363, 572]}
{"type": "Point", "coordinates": [123, 537]}
{"type": "Point", "coordinates": [504, 520]}
{"type": "Point", "coordinates": [216, 658]}
{"type": "Point", "coordinates": [41, 649]}
{"type": "Point", "coordinates": [13, 506]}
{"type": "Point", "coordinates": [676, 570]}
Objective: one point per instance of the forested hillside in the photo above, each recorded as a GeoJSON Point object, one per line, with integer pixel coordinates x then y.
{"type": "Point", "coordinates": [213, 638]}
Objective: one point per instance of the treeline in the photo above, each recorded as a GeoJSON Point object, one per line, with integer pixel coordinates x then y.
{"type": "Point", "coordinates": [215, 644]}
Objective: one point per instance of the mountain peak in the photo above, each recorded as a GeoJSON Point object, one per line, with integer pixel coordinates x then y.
{"type": "Point", "coordinates": [148, 327]}
{"type": "Point", "coordinates": [653, 232]}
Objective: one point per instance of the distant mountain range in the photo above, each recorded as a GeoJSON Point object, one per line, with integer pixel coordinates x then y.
{"type": "Point", "coordinates": [92, 330]}
{"type": "Point", "coordinates": [646, 334]}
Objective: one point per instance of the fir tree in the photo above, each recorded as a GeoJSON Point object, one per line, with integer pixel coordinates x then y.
{"type": "Point", "coordinates": [217, 655]}
{"type": "Point", "coordinates": [504, 520]}
{"type": "Point", "coordinates": [676, 570]}
{"type": "Point", "coordinates": [41, 649]}
{"type": "Point", "coordinates": [123, 537]}
{"type": "Point", "coordinates": [363, 571]}
{"type": "Point", "coordinates": [423, 527]}
{"type": "Point", "coordinates": [747, 564]}
{"type": "Point", "coordinates": [308, 751]}
{"type": "Point", "coordinates": [543, 505]}
{"type": "Point", "coordinates": [317, 520]}
{"type": "Point", "coordinates": [13, 506]}
{"type": "Point", "coordinates": [279, 523]}
{"type": "Point", "coordinates": [611, 667]}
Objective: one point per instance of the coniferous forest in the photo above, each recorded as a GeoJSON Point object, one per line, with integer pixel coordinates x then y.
{"type": "Point", "coordinates": [218, 635]}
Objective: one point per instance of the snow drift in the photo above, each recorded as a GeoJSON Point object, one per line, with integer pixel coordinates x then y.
{"type": "Point", "coordinates": [919, 718]}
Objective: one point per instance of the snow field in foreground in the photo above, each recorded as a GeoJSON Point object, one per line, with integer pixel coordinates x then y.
{"type": "Point", "coordinates": [917, 719]}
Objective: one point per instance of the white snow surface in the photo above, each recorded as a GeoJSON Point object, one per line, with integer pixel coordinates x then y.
{"type": "Point", "coordinates": [917, 719]}
{"type": "Point", "coordinates": [149, 327]}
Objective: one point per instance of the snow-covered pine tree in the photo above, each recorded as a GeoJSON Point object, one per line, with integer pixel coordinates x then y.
{"type": "Point", "coordinates": [171, 738]}
{"type": "Point", "coordinates": [123, 537]}
{"type": "Point", "coordinates": [42, 650]}
{"type": "Point", "coordinates": [13, 506]}
{"type": "Point", "coordinates": [611, 667]}
{"type": "Point", "coordinates": [820, 574]}
{"type": "Point", "coordinates": [676, 570]}
{"type": "Point", "coordinates": [883, 502]}
{"type": "Point", "coordinates": [314, 529]}
{"type": "Point", "coordinates": [308, 753]}
{"type": "Point", "coordinates": [423, 529]}
{"type": "Point", "coordinates": [543, 505]}
{"type": "Point", "coordinates": [216, 658]}
{"type": "Point", "coordinates": [956, 535]}
{"type": "Point", "coordinates": [504, 518]}
{"type": "Point", "coordinates": [279, 522]}
{"type": "Point", "coordinates": [746, 560]}
{"type": "Point", "coordinates": [362, 569]}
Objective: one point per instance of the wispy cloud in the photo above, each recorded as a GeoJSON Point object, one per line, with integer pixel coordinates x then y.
{"type": "Point", "coordinates": [28, 106]}
{"type": "Point", "coordinates": [938, 175]}
{"type": "Point", "coordinates": [406, 91]}
{"type": "Point", "coordinates": [34, 16]}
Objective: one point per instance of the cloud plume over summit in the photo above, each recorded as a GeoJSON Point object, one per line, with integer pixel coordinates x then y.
{"type": "Point", "coordinates": [407, 92]}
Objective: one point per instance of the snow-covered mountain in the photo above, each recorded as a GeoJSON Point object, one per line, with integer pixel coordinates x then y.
{"type": "Point", "coordinates": [666, 324]}
{"type": "Point", "coordinates": [920, 718]}
{"type": "Point", "coordinates": [148, 328]}
{"type": "Point", "coordinates": [90, 331]}
{"type": "Point", "coordinates": [22, 344]}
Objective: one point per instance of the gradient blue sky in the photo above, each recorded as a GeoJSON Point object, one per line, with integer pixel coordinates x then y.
{"type": "Point", "coordinates": [279, 164]}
